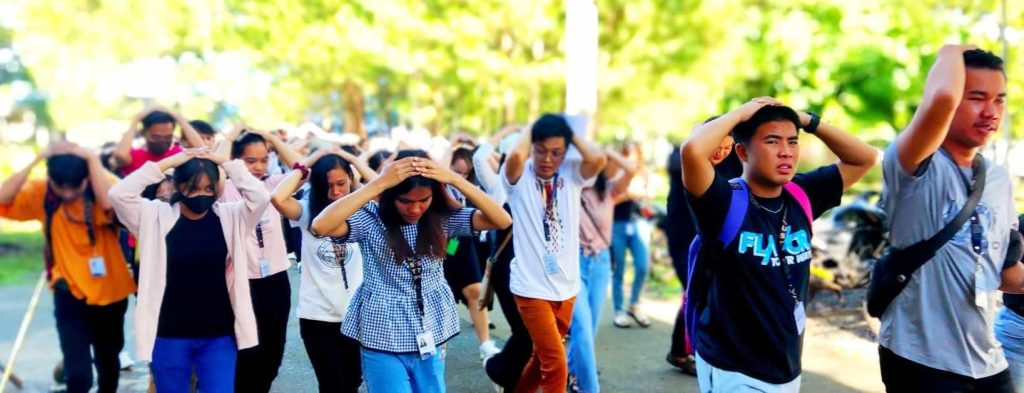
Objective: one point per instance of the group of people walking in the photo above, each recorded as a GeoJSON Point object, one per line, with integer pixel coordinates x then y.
{"type": "Point", "coordinates": [538, 217]}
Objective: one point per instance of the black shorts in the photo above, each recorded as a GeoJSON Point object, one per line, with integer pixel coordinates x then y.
{"type": "Point", "coordinates": [463, 268]}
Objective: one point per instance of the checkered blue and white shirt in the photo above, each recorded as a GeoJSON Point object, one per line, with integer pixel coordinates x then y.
{"type": "Point", "coordinates": [383, 314]}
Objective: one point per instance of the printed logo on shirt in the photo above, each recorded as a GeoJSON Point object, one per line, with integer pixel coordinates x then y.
{"type": "Point", "coordinates": [797, 245]}
{"type": "Point", "coordinates": [325, 253]}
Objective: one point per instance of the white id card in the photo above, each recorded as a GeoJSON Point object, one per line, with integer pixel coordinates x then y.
{"type": "Point", "coordinates": [800, 317]}
{"type": "Point", "coordinates": [264, 267]}
{"type": "Point", "coordinates": [425, 342]}
{"type": "Point", "coordinates": [980, 294]}
{"type": "Point", "coordinates": [97, 267]}
{"type": "Point", "coordinates": [550, 264]}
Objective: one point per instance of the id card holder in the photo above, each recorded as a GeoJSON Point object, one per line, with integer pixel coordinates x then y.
{"type": "Point", "coordinates": [97, 267]}
{"type": "Point", "coordinates": [550, 264]}
{"type": "Point", "coordinates": [980, 294]}
{"type": "Point", "coordinates": [453, 246]}
{"type": "Point", "coordinates": [425, 343]}
{"type": "Point", "coordinates": [800, 317]}
{"type": "Point", "coordinates": [264, 267]}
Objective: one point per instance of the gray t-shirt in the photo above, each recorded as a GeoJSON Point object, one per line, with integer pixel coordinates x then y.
{"type": "Point", "coordinates": [934, 321]}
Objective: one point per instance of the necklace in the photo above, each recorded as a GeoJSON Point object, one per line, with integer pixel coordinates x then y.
{"type": "Point", "coordinates": [753, 200]}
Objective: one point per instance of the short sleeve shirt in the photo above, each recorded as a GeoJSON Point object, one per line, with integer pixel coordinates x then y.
{"type": "Point", "coordinates": [934, 320]}
{"type": "Point", "coordinates": [384, 314]}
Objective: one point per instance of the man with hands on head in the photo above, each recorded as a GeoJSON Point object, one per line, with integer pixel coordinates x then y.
{"type": "Point", "coordinates": [750, 306]}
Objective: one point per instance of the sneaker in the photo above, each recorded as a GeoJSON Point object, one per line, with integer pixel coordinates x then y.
{"type": "Point", "coordinates": [126, 361]}
{"type": "Point", "coordinates": [488, 349]}
{"type": "Point", "coordinates": [621, 320]}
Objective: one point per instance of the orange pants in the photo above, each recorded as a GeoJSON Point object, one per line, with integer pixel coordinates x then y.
{"type": "Point", "coordinates": [548, 323]}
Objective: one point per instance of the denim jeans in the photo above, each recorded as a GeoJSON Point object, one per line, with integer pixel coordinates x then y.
{"type": "Point", "coordinates": [634, 235]}
{"type": "Point", "coordinates": [212, 358]}
{"type": "Point", "coordinates": [594, 271]}
{"type": "Point", "coordinates": [1010, 332]}
{"type": "Point", "coordinates": [387, 372]}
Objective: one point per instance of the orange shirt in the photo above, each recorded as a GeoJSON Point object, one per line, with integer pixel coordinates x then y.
{"type": "Point", "coordinates": [71, 247]}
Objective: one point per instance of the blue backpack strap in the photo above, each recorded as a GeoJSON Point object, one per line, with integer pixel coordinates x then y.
{"type": "Point", "coordinates": [737, 211]}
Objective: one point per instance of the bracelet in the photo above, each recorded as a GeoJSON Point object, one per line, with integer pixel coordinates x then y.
{"type": "Point", "coordinates": [302, 168]}
{"type": "Point", "coordinates": [812, 126]}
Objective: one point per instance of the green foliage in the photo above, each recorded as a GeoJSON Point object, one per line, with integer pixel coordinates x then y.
{"type": "Point", "coordinates": [664, 65]}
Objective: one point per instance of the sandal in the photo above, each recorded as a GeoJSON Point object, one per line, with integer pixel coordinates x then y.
{"type": "Point", "coordinates": [688, 365]}
{"type": "Point", "coordinates": [640, 318]}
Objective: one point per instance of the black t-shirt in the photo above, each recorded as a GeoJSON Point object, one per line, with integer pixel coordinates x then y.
{"type": "Point", "coordinates": [683, 228]}
{"type": "Point", "coordinates": [196, 302]}
{"type": "Point", "coordinates": [748, 323]}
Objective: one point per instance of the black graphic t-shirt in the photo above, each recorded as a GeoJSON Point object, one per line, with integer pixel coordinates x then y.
{"type": "Point", "coordinates": [748, 324]}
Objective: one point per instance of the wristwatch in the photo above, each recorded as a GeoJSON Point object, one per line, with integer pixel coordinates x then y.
{"type": "Point", "coordinates": [812, 126]}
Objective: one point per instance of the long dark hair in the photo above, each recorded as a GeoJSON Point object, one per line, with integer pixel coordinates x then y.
{"type": "Point", "coordinates": [431, 237]}
{"type": "Point", "coordinates": [318, 182]}
{"type": "Point", "coordinates": [238, 146]}
{"type": "Point", "coordinates": [188, 175]}
{"type": "Point", "coordinates": [601, 185]}
{"type": "Point", "coordinates": [466, 155]}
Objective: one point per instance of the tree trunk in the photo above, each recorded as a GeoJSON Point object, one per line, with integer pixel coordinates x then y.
{"type": "Point", "coordinates": [354, 106]}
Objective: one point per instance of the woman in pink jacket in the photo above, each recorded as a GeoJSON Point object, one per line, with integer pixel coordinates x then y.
{"type": "Point", "coordinates": [194, 309]}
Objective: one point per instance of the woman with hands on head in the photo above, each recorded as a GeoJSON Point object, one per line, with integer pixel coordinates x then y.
{"type": "Point", "coordinates": [194, 308]}
{"type": "Point", "coordinates": [331, 269]}
{"type": "Point", "coordinates": [404, 311]}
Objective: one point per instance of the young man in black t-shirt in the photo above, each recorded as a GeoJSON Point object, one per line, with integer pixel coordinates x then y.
{"type": "Point", "coordinates": [750, 329]}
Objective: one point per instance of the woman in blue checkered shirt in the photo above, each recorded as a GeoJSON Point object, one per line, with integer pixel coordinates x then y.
{"type": "Point", "coordinates": [404, 312]}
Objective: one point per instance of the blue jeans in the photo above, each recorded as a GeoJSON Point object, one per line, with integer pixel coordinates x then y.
{"type": "Point", "coordinates": [634, 235]}
{"type": "Point", "coordinates": [711, 379]}
{"type": "Point", "coordinates": [586, 313]}
{"type": "Point", "coordinates": [387, 372]}
{"type": "Point", "coordinates": [212, 358]}
{"type": "Point", "coordinates": [1010, 332]}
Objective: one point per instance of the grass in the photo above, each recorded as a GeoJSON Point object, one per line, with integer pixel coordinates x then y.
{"type": "Point", "coordinates": [21, 253]}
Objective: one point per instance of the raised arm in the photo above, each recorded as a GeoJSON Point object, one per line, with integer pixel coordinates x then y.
{"type": "Point", "coordinates": [188, 134]}
{"type": "Point", "coordinates": [489, 215]}
{"type": "Point", "coordinates": [485, 173]}
{"type": "Point", "coordinates": [99, 178]}
{"type": "Point", "coordinates": [367, 174]}
{"type": "Point", "coordinates": [285, 151]}
{"type": "Point", "coordinates": [943, 91]}
{"type": "Point", "coordinates": [856, 157]}
{"type": "Point", "coordinates": [629, 169]}
{"type": "Point", "coordinates": [253, 192]}
{"type": "Point", "coordinates": [698, 172]}
{"type": "Point", "coordinates": [283, 196]}
{"type": "Point", "coordinates": [333, 220]}
{"type": "Point", "coordinates": [515, 161]}
{"type": "Point", "coordinates": [10, 187]}
{"type": "Point", "coordinates": [593, 159]}
{"type": "Point", "coordinates": [126, 195]}
{"type": "Point", "coordinates": [123, 152]}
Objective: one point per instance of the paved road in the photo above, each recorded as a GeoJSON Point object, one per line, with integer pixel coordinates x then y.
{"type": "Point", "coordinates": [631, 360]}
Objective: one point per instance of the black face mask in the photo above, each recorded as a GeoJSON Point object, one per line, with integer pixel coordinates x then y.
{"type": "Point", "coordinates": [158, 148]}
{"type": "Point", "coordinates": [198, 204]}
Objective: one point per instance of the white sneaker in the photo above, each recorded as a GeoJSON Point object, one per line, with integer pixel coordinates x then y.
{"type": "Point", "coordinates": [621, 320]}
{"type": "Point", "coordinates": [488, 349]}
{"type": "Point", "coordinates": [126, 361]}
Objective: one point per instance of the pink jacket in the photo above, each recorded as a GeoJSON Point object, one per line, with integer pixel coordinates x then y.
{"type": "Point", "coordinates": [150, 221]}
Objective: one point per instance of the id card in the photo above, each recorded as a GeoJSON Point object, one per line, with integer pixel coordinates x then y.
{"type": "Point", "coordinates": [264, 267]}
{"type": "Point", "coordinates": [425, 342]}
{"type": "Point", "coordinates": [800, 317]}
{"type": "Point", "coordinates": [551, 264]}
{"type": "Point", "coordinates": [97, 267]}
{"type": "Point", "coordinates": [980, 294]}
{"type": "Point", "coordinates": [630, 229]}
{"type": "Point", "coordinates": [453, 245]}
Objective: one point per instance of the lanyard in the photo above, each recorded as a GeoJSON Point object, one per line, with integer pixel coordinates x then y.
{"type": "Point", "coordinates": [259, 237]}
{"type": "Point", "coordinates": [87, 216]}
{"type": "Point", "coordinates": [548, 199]}
{"type": "Point", "coordinates": [340, 253]}
{"type": "Point", "coordinates": [786, 272]}
{"type": "Point", "coordinates": [415, 266]}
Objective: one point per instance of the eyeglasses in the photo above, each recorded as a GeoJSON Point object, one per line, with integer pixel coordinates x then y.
{"type": "Point", "coordinates": [552, 154]}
